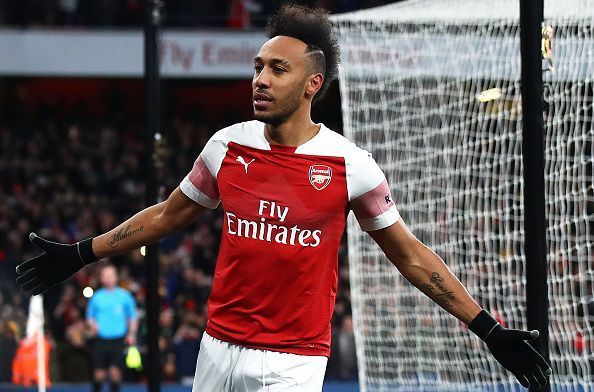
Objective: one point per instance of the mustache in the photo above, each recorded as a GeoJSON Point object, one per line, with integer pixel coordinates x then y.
{"type": "Point", "coordinates": [262, 95]}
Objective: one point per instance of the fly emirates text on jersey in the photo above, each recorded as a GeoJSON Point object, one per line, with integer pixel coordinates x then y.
{"type": "Point", "coordinates": [265, 231]}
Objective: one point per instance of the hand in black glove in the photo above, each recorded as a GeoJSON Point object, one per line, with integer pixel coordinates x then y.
{"type": "Point", "coordinates": [510, 349]}
{"type": "Point", "coordinates": [57, 263]}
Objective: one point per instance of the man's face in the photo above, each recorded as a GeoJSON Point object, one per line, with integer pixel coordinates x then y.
{"type": "Point", "coordinates": [280, 79]}
{"type": "Point", "coordinates": [109, 277]}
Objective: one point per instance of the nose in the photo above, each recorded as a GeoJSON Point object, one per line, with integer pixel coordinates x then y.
{"type": "Point", "coordinates": [262, 79]}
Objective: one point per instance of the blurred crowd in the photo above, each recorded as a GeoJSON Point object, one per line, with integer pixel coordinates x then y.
{"type": "Point", "coordinates": [75, 175]}
{"type": "Point", "coordinates": [187, 13]}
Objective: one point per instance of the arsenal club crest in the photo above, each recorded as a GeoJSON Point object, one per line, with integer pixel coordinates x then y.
{"type": "Point", "coordinates": [320, 176]}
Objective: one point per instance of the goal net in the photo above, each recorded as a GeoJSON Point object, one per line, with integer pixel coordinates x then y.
{"type": "Point", "coordinates": [432, 89]}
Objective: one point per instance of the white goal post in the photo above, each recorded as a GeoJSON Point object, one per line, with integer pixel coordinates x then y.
{"type": "Point", "coordinates": [432, 89]}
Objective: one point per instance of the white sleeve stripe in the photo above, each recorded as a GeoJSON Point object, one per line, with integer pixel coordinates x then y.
{"type": "Point", "coordinates": [384, 220]}
{"type": "Point", "coordinates": [190, 190]}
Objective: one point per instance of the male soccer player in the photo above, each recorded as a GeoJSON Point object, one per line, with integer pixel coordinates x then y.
{"type": "Point", "coordinates": [286, 185]}
{"type": "Point", "coordinates": [111, 316]}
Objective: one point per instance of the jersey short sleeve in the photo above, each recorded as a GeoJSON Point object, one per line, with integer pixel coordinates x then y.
{"type": "Point", "coordinates": [200, 184]}
{"type": "Point", "coordinates": [369, 194]}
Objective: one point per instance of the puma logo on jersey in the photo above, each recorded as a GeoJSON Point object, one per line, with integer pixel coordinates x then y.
{"type": "Point", "coordinates": [244, 163]}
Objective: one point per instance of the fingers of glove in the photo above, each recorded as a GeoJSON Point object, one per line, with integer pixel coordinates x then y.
{"type": "Point", "coordinates": [540, 378]}
{"type": "Point", "coordinates": [28, 275]}
{"type": "Point", "coordinates": [42, 242]}
{"type": "Point", "coordinates": [540, 361]}
{"type": "Point", "coordinates": [516, 334]}
{"type": "Point", "coordinates": [534, 334]}
{"type": "Point", "coordinates": [31, 284]}
{"type": "Point", "coordinates": [533, 364]}
{"type": "Point", "coordinates": [42, 288]}
{"type": "Point", "coordinates": [535, 376]}
{"type": "Point", "coordinates": [535, 382]}
{"type": "Point", "coordinates": [522, 380]}
{"type": "Point", "coordinates": [29, 264]}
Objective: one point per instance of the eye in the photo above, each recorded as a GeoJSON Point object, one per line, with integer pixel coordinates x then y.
{"type": "Point", "coordinates": [279, 70]}
{"type": "Point", "coordinates": [257, 68]}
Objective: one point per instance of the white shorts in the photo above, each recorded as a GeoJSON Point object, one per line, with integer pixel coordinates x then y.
{"type": "Point", "coordinates": [226, 367]}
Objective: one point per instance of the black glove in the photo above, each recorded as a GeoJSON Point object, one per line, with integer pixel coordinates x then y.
{"type": "Point", "coordinates": [510, 349]}
{"type": "Point", "coordinates": [57, 263]}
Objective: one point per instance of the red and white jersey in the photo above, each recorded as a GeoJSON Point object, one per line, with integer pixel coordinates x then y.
{"type": "Point", "coordinates": [285, 210]}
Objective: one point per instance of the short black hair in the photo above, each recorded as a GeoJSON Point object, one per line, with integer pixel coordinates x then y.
{"type": "Point", "coordinates": [313, 27]}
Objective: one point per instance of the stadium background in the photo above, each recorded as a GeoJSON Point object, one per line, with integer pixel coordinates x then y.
{"type": "Point", "coordinates": [71, 153]}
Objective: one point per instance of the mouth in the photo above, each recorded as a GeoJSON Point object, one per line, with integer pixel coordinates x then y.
{"type": "Point", "coordinates": [261, 101]}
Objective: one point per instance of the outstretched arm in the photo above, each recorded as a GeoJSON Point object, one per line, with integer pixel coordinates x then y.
{"type": "Point", "coordinates": [60, 261]}
{"type": "Point", "coordinates": [148, 226]}
{"type": "Point", "coordinates": [427, 271]}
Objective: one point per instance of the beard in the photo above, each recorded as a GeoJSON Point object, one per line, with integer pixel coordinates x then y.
{"type": "Point", "coordinates": [284, 109]}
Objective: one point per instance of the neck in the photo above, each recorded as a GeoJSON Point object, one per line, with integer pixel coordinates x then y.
{"type": "Point", "coordinates": [293, 132]}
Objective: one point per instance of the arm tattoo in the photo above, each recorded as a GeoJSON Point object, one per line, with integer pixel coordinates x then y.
{"type": "Point", "coordinates": [122, 234]}
{"type": "Point", "coordinates": [436, 291]}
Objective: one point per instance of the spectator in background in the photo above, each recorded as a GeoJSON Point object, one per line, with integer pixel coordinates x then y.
{"type": "Point", "coordinates": [66, 312]}
{"type": "Point", "coordinates": [236, 14]}
{"type": "Point", "coordinates": [185, 347]}
{"type": "Point", "coordinates": [240, 13]}
{"type": "Point", "coordinates": [347, 355]}
{"type": "Point", "coordinates": [67, 11]}
{"type": "Point", "coordinates": [8, 347]}
{"type": "Point", "coordinates": [73, 356]}
{"type": "Point", "coordinates": [25, 366]}
{"type": "Point", "coordinates": [111, 316]}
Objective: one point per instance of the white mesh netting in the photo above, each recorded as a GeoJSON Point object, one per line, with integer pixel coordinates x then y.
{"type": "Point", "coordinates": [411, 80]}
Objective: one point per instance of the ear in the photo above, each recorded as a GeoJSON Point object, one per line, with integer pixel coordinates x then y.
{"type": "Point", "coordinates": [314, 84]}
